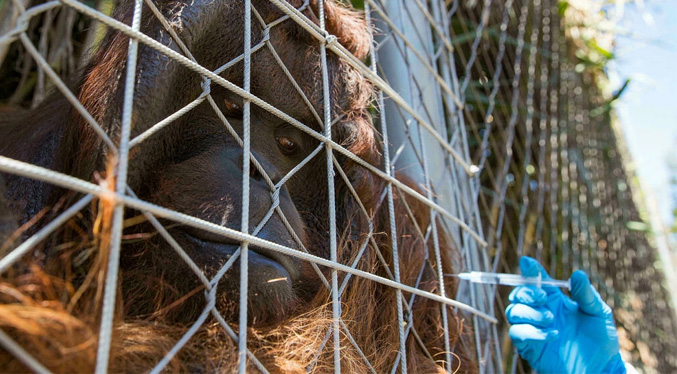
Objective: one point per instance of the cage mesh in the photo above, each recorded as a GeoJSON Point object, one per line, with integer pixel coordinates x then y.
{"type": "Point", "coordinates": [490, 119]}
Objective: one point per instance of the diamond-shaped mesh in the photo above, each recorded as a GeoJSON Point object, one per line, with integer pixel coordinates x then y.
{"type": "Point", "coordinates": [177, 155]}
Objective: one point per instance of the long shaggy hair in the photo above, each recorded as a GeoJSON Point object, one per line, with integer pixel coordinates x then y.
{"type": "Point", "coordinates": [50, 302]}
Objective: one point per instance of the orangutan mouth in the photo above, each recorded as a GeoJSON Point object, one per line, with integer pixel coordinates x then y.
{"type": "Point", "coordinates": [267, 265]}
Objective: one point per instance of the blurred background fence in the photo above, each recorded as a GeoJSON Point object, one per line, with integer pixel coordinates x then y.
{"type": "Point", "coordinates": [518, 90]}
{"type": "Point", "coordinates": [555, 181]}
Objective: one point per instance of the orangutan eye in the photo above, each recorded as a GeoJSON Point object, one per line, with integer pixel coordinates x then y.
{"type": "Point", "coordinates": [233, 108]}
{"type": "Point", "coordinates": [287, 145]}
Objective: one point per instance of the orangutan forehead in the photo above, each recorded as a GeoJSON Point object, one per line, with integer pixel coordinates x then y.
{"type": "Point", "coordinates": [295, 53]}
{"type": "Point", "coordinates": [348, 25]}
{"type": "Point", "coordinates": [293, 65]}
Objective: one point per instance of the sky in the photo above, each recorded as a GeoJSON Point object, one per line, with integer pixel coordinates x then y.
{"type": "Point", "coordinates": [646, 52]}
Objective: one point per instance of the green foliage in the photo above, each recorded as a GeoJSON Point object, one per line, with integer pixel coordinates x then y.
{"type": "Point", "coordinates": [606, 107]}
{"type": "Point", "coordinates": [357, 4]}
{"type": "Point", "coordinates": [592, 56]}
{"type": "Point", "coordinates": [638, 226]}
{"type": "Point", "coordinates": [562, 7]}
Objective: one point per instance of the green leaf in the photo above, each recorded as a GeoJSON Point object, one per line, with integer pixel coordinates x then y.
{"type": "Point", "coordinates": [562, 7]}
{"type": "Point", "coordinates": [638, 226]}
{"type": "Point", "coordinates": [607, 54]}
{"type": "Point", "coordinates": [357, 4]}
{"type": "Point", "coordinates": [606, 107]}
{"type": "Point", "coordinates": [620, 91]}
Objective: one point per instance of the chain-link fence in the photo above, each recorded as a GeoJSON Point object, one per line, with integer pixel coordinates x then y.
{"type": "Point", "coordinates": [256, 185]}
{"type": "Point", "coordinates": [554, 178]}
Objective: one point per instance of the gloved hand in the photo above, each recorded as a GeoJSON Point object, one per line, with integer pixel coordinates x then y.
{"type": "Point", "coordinates": [559, 335]}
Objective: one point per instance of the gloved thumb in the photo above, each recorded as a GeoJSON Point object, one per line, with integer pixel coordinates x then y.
{"type": "Point", "coordinates": [588, 299]}
{"type": "Point", "coordinates": [530, 267]}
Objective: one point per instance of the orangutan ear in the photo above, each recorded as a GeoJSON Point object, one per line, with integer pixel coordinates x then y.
{"type": "Point", "coordinates": [348, 25]}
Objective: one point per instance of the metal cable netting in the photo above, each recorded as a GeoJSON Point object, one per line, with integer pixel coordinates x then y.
{"type": "Point", "coordinates": [292, 186]}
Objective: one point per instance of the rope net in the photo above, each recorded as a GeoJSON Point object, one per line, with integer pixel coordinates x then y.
{"type": "Point", "coordinates": [259, 186]}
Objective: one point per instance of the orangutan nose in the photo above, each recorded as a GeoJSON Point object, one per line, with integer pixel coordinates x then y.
{"type": "Point", "coordinates": [235, 159]}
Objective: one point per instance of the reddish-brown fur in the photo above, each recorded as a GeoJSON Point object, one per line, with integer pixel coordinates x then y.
{"type": "Point", "coordinates": [51, 303]}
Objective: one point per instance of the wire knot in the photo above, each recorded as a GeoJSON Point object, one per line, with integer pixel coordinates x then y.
{"type": "Point", "coordinates": [266, 34]}
{"type": "Point", "coordinates": [206, 86]}
{"type": "Point", "coordinates": [275, 196]}
{"type": "Point", "coordinates": [13, 34]}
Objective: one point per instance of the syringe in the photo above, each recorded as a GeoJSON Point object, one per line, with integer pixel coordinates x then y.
{"type": "Point", "coordinates": [512, 279]}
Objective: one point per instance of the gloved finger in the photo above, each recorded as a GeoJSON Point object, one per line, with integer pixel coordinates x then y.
{"type": "Point", "coordinates": [531, 268]}
{"type": "Point", "coordinates": [588, 299]}
{"type": "Point", "coordinates": [530, 295]}
{"type": "Point", "coordinates": [524, 334]}
{"type": "Point", "coordinates": [531, 341]}
{"type": "Point", "coordinates": [522, 313]}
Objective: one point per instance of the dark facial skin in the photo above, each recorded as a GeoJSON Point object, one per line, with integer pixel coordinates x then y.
{"type": "Point", "coordinates": [204, 179]}
{"type": "Point", "coordinates": [194, 165]}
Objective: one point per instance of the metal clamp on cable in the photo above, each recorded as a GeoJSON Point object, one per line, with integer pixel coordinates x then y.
{"type": "Point", "coordinates": [330, 40]}
{"type": "Point", "coordinates": [473, 170]}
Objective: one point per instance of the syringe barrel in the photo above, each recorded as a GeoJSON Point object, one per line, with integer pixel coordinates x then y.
{"type": "Point", "coordinates": [514, 280]}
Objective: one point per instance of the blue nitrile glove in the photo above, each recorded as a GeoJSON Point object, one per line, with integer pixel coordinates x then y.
{"type": "Point", "coordinates": [559, 335]}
